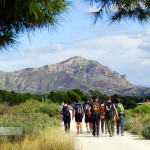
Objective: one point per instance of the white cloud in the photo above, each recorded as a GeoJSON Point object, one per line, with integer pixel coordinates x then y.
{"type": "Point", "coordinates": [120, 51]}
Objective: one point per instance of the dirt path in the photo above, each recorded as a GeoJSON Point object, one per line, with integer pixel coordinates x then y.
{"type": "Point", "coordinates": [86, 141]}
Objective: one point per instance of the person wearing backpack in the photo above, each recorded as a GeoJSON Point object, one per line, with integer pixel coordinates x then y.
{"type": "Point", "coordinates": [110, 111]}
{"type": "Point", "coordinates": [65, 111]}
{"type": "Point", "coordinates": [120, 121]}
{"type": "Point", "coordinates": [86, 106]}
{"type": "Point", "coordinates": [102, 117]}
{"type": "Point", "coordinates": [78, 113]}
{"type": "Point", "coordinates": [90, 116]}
{"type": "Point", "coordinates": [94, 110]}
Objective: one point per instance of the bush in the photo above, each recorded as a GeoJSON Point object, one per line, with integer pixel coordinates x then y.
{"type": "Point", "coordinates": [34, 106]}
{"type": "Point", "coordinates": [137, 120]}
{"type": "Point", "coordinates": [142, 109]}
{"type": "Point", "coordinates": [33, 116]}
{"type": "Point", "coordinates": [128, 122]}
{"type": "Point", "coordinates": [131, 104]}
{"type": "Point", "coordinates": [51, 109]}
{"type": "Point", "coordinates": [31, 123]}
{"type": "Point", "coordinates": [146, 131]}
{"type": "Point", "coordinates": [52, 139]}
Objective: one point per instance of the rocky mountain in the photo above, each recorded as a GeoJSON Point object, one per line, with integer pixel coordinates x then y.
{"type": "Point", "coordinates": [75, 72]}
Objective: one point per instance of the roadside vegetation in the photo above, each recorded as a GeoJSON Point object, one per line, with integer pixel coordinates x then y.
{"type": "Point", "coordinates": [39, 117]}
{"type": "Point", "coordinates": [50, 139]}
{"type": "Point", "coordinates": [40, 122]}
{"type": "Point", "coordinates": [138, 120]}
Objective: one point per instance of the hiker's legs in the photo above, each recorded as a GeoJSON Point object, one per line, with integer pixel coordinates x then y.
{"type": "Point", "coordinates": [77, 126]}
{"type": "Point", "coordinates": [88, 127]}
{"type": "Point", "coordinates": [97, 123]}
{"type": "Point", "coordinates": [65, 123]}
{"type": "Point", "coordinates": [108, 122]}
{"type": "Point", "coordinates": [69, 124]}
{"type": "Point", "coordinates": [80, 126]}
{"type": "Point", "coordinates": [78, 120]}
{"type": "Point", "coordinates": [106, 129]}
{"type": "Point", "coordinates": [87, 122]}
{"type": "Point", "coordinates": [118, 124]}
{"type": "Point", "coordinates": [122, 124]}
{"type": "Point", "coordinates": [102, 124]}
{"type": "Point", "coordinates": [90, 124]}
{"type": "Point", "coordinates": [93, 124]}
{"type": "Point", "coordinates": [112, 126]}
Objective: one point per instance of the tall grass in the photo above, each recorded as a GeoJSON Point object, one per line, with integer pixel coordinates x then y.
{"type": "Point", "coordinates": [38, 121]}
{"type": "Point", "coordinates": [138, 121]}
{"type": "Point", "coordinates": [50, 139]}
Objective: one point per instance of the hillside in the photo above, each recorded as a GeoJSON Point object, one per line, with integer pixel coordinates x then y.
{"type": "Point", "coordinates": [75, 72]}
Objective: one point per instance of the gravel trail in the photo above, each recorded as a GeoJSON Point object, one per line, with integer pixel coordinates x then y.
{"type": "Point", "coordinates": [86, 141]}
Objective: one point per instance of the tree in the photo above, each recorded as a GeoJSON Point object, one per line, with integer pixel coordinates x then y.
{"type": "Point", "coordinates": [58, 96]}
{"type": "Point", "coordinates": [19, 16]}
{"type": "Point", "coordinates": [117, 10]}
{"type": "Point", "coordinates": [80, 93]}
{"type": "Point", "coordinates": [97, 93]}
{"type": "Point", "coordinates": [73, 96]}
{"type": "Point", "coordinates": [131, 104]}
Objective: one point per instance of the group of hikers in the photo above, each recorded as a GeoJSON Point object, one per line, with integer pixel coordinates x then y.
{"type": "Point", "coordinates": [97, 114]}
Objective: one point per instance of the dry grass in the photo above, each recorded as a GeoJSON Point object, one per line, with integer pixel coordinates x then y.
{"type": "Point", "coordinates": [51, 139]}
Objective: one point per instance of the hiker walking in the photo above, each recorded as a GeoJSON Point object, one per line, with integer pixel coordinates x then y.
{"type": "Point", "coordinates": [94, 110]}
{"type": "Point", "coordinates": [102, 117]}
{"type": "Point", "coordinates": [86, 106]}
{"type": "Point", "coordinates": [90, 116]}
{"type": "Point", "coordinates": [78, 113]}
{"type": "Point", "coordinates": [120, 121]}
{"type": "Point", "coordinates": [110, 110]}
{"type": "Point", "coordinates": [65, 111]}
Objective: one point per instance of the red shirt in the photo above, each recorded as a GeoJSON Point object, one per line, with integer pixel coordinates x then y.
{"type": "Point", "coordinates": [102, 108]}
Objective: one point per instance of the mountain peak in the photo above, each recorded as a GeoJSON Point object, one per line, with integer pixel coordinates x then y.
{"type": "Point", "coordinates": [75, 72]}
{"type": "Point", "coordinates": [74, 59]}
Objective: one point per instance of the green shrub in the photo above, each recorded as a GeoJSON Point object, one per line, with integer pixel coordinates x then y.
{"type": "Point", "coordinates": [142, 109]}
{"type": "Point", "coordinates": [31, 123]}
{"type": "Point", "coordinates": [50, 109]}
{"type": "Point", "coordinates": [50, 139]}
{"type": "Point", "coordinates": [131, 104]}
{"type": "Point", "coordinates": [137, 129]}
{"type": "Point", "coordinates": [34, 106]}
{"type": "Point", "coordinates": [146, 131]}
{"type": "Point", "coordinates": [33, 116]}
{"type": "Point", "coordinates": [137, 120]}
{"type": "Point", "coordinates": [145, 119]}
{"type": "Point", "coordinates": [128, 123]}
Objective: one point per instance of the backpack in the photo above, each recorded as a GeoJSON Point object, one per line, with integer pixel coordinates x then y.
{"type": "Point", "coordinates": [120, 108]}
{"type": "Point", "coordinates": [95, 108]}
{"type": "Point", "coordinates": [109, 110]}
{"type": "Point", "coordinates": [86, 106]}
{"type": "Point", "coordinates": [65, 111]}
{"type": "Point", "coordinates": [78, 109]}
{"type": "Point", "coordinates": [102, 109]}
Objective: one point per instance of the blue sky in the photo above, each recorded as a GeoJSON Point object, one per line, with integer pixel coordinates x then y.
{"type": "Point", "coordinates": [124, 46]}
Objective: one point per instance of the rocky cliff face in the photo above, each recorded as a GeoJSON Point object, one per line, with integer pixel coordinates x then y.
{"type": "Point", "coordinates": [75, 72]}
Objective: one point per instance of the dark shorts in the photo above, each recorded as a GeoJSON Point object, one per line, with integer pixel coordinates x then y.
{"type": "Point", "coordinates": [78, 118]}
{"type": "Point", "coordinates": [87, 119]}
{"type": "Point", "coordinates": [90, 119]}
{"type": "Point", "coordinates": [67, 119]}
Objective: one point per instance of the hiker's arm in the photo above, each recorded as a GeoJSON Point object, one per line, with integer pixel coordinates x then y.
{"type": "Point", "coordinates": [89, 111]}
{"type": "Point", "coordinates": [82, 112]}
{"type": "Point", "coordinates": [72, 113]}
{"type": "Point", "coordinates": [116, 112]}
{"type": "Point", "coordinates": [61, 111]}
